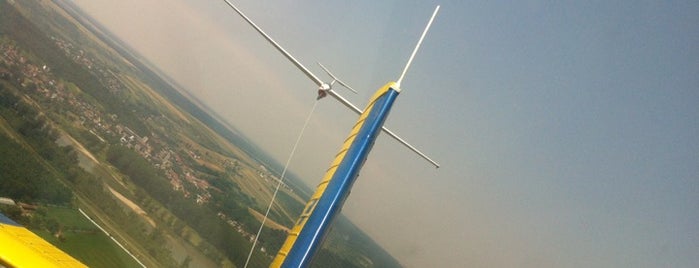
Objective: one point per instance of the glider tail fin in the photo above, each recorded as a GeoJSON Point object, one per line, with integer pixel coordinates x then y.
{"type": "Point", "coordinates": [335, 79]}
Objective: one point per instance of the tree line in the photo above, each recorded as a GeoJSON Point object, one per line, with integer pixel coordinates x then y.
{"type": "Point", "coordinates": [22, 175]}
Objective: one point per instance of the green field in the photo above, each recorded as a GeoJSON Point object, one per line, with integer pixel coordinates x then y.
{"type": "Point", "coordinates": [69, 218]}
{"type": "Point", "coordinates": [84, 241]}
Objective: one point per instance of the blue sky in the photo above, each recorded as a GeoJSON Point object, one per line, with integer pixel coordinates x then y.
{"type": "Point", "coordinates": [568, 131]}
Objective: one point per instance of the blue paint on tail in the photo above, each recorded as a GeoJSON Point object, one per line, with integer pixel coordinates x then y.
{"type": "Point", "coordinates": [330, 204]}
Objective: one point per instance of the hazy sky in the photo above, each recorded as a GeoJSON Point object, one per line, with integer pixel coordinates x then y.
{"type": "Point", "coordinates": [568, 131]}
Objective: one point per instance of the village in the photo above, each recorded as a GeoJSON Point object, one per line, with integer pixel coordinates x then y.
{"type": "Point", "coordinates": [41, 85]}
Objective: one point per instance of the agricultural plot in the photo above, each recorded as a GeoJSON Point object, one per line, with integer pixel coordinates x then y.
{"type": "Point", "coordinates": [83, 240]}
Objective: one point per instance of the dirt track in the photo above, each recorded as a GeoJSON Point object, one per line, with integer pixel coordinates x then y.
{"type": "Point", "coordinates": [132, 206]}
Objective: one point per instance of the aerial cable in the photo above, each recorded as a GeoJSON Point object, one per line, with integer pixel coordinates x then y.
{"type": "Point", "coordinates": [286, 166]}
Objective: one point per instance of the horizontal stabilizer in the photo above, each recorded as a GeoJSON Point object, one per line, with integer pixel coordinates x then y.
{"type": "Point", "coordinates": [386, 130]}
{"type": "Point", "coordinates": [335, 79]}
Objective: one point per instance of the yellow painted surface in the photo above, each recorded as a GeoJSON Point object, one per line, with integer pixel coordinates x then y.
{"type": "Point", "coordinates": [310, 206]}
{"type": "Point", "coordinates": [20, 247]}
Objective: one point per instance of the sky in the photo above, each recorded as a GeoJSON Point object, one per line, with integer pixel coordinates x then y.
{"type": "Point", "coordinates": [568, 131]}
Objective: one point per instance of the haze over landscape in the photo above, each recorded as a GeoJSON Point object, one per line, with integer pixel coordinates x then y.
{"type": "Point", "coordinates": [568, 133]}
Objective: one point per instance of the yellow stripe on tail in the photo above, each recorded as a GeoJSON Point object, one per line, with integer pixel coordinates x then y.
{"type": "Point", "coordinates": [310, 206]}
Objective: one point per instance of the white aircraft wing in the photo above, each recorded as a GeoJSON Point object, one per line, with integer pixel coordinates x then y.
{"type": "Point", "coordinates": [280, 48]}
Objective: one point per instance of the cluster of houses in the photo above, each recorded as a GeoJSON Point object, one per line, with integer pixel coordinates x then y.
{"type": "Point", "coordinates": [237, 227]}
{"type": "Point", "coordinates": [39, 83]}
{"type": "Point", "coordinates": [76, 54]}
{"type": "Point", "coordinates": [269, 177]}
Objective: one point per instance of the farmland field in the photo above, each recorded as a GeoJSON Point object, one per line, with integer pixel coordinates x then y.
{"type": "Point", "coordinates": [84, 241]}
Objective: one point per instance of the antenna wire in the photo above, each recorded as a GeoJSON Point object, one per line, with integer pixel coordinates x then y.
{"type": "Point", "coordinates": [286, 166]}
